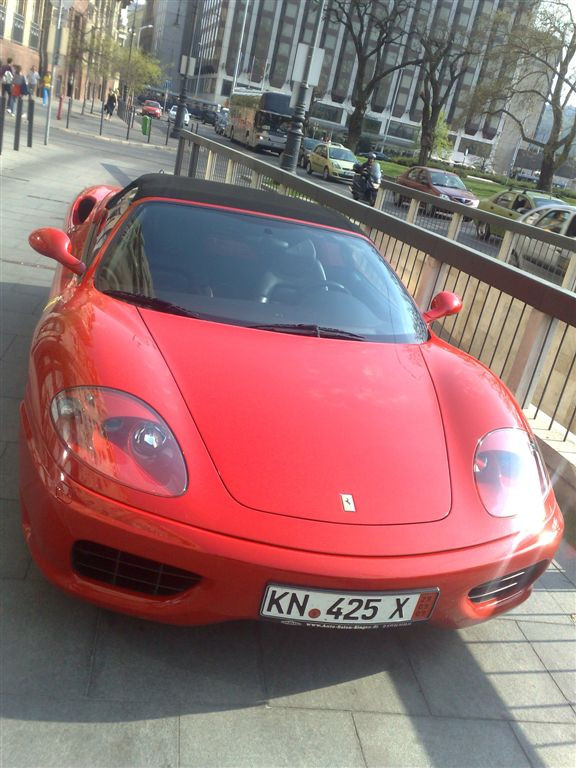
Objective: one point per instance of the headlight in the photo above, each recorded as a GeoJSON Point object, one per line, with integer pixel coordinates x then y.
{"type": "Point", "coordinates": [336, 165]}
{"type": "Point", "coordinates": [444, 197]}
{"type": "Point", "coordinates": [120, 437]}
{"type": "Point", "coordinates": [510, 475]}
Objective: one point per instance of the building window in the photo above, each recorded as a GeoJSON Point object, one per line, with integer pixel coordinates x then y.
{"type": "Point", "coordinates": [34, 36]}
{"type": "Point", "coordinates": [18, 28]}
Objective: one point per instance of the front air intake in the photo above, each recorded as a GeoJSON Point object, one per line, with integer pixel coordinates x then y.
{"type": "Point", "coordinates": [121, 569]}
{"type": "Point", "coordinates": [507, 586]}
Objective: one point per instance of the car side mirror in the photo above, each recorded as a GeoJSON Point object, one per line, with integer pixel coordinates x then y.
{"type": "Point", "coordinates": [55, 244]}
{"type": "Point", "coordinates": [443, 304]}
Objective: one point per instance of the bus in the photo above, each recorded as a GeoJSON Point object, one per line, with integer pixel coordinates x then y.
{"type": "Point", "coordinates": [259, 120]}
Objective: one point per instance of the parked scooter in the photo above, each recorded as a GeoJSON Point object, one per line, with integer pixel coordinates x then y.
{"type": "Point", "coordinates": [364, 188]}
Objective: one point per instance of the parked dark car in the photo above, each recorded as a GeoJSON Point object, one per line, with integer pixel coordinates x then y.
{"type": "Point", "coordinates": [441, 184]}
{"type": "Point", "coordinates": [209, 116]}
{"type": "Point", "coordinates": [306, 146]}
{"type": "Point", "coordinates": [379, 155]}
{"type": "Point", "coordinates": [221, 123]}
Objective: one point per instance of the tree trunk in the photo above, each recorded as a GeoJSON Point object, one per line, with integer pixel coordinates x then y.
{"type": "Point", "coordinates": [546, 171]}
{"type": "Point", "coordinates": [426, 137]}
{"type": "Point", "coordinates": [430, 117]}
{"type": "Point", "coordinates": [355, 126]}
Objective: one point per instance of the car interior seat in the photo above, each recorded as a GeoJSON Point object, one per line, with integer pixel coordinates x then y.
{"type": "Point", "coordinates": [291, 272]}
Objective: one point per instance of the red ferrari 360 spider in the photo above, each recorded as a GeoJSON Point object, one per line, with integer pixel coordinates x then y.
{"type": "Point", "coordinates": [235, 411]}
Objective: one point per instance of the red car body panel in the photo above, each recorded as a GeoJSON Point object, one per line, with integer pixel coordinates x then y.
{"type": "Point", "coordinates": [152, 110]}
{"type": "Point", "coordinates": [260, 446]}
{"type": "Point", "coordinates": [437, 189]}
{"type": "Point", "coordinates": [273, 429]}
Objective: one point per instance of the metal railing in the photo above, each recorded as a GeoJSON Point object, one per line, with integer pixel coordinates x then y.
{"type": "Point", "coordinates": [520, 325]}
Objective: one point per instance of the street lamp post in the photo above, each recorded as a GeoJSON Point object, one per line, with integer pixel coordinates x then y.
{"type": "Point", "coordinates": [62, 5]}
{"type": "Point", "coordinates": [146, 26]}
{"type": "Point", "coordinates": [187, 67]}
{"type": "Point", "coordinates": [289, 160]}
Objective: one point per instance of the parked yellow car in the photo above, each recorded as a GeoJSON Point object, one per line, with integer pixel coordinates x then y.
{"type": "Point", "coordinates": [511, 203]}
{"type": "Point", "coordinates": [333, 161]}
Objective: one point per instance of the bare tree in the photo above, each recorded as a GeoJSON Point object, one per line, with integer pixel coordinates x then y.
{"type": "Point", "coordinates": [446, 61]}
{"type": "Point", "coordinates": [372, 26]}
{"type": "Point", "coordinates": [543, 58]}
{"type": "Point", "coordinates": [451, 51]}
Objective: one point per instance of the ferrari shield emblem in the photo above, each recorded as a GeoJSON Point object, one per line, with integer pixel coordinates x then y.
{"type": "Point", "coordinates": [348, 502]}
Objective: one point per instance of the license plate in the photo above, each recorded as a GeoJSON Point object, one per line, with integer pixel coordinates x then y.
{"type": "Point", "coordinates": [346, 609]}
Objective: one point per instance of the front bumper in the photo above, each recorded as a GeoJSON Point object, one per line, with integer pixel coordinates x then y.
{"type": "Point", "coordinates": [229, 575]}
{"type": "Point", "coordinates": [342, 174]}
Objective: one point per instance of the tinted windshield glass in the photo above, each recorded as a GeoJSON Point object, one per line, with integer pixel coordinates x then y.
{"type": "Point", "coordinates": [447, 180]}
{"type": "Point", "coordinates": [341, 153]}
{"type": "Point", "coordinates": [255, 271]}
{"type": "Point", "coordinates": [269, 121]}
{"type": "Point", "coordinates": [539, 201]}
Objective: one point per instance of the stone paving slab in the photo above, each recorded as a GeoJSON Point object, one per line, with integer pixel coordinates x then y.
{"type": "Point", "coordinates": [405, 742]}
{"type": "Point", "coordinates": [354, 671]}
{"type": "Point", "coordinates": [48, 732]}
{"type": "Point", "coordinates": [493, 672]}
{"type": "Point", "coordinates": [84, 688]}
{"type": "Point", "coordinates": [266, 737]}
{"type": "Point", "coordinates": [213, 666]}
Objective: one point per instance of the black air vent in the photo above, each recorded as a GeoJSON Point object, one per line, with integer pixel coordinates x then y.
{"type": "Point", "coordinates": [121, 569]}
{"type": "Point", "coordinates": [508, 585]}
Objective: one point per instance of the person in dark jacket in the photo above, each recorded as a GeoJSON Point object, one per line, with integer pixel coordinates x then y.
{"type": "Point", "coordinates": [111, 104]}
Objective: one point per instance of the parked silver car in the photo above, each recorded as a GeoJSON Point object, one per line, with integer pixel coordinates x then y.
{"type": "Point", "coordinates": [174, 111]}
{"type": "Point", "coordinates": [544, 259]}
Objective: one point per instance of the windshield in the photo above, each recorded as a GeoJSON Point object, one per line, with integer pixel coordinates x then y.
{"type": "Point", "coordinates": [341, 153]}
{"type": "Point", "coordinates": [273, 123]}
{"type": "Point", "coordinates": [540, 201]}
{"type": "Point", "coordinates": [259, 272]}
{"type": "Point", "coordinates": [449, 180]}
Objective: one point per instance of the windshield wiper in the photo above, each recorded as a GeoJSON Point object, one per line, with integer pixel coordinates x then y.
{"type": "Point", "coordinates": [310, 329]}
{"type": "Point", "coordinates": [151, 302]}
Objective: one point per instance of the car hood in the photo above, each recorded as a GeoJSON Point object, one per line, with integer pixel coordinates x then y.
{"type": "Point", "coordinates": [318, 429]}
{"type": "Point", "coordinates": [462, 194]}
{"type": "Point", "coordinates": [348, 164]}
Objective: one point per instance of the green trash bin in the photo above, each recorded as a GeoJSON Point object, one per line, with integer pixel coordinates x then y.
{"type": "Point", "coordinates": [146, 124]}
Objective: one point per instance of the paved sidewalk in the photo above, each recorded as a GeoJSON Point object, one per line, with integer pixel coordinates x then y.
{"type": "Point", "coordinates": [84, 688]}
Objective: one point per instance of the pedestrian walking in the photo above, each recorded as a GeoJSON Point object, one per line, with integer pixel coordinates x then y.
{"type": "Point", "coordinates": [46, 86]}
{"type": "Point", "coordinates": [19, 87]}
{"type": "Point", "coordinates": [111, 103]}
{"type": "Point", "coordinates": [32, 79]}
{"type": "Point", "coordinates": [7, 76]}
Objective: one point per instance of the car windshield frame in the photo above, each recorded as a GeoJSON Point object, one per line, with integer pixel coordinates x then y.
{"type": "Point", "coordinates": [257, 271]}
{"type": "Point", "coordinates": [447, 180]}
{"type": "Point", "coordinates": [343, 154]}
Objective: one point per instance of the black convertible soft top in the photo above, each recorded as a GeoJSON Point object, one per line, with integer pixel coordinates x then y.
{"type": "Point", "coordinates": [231, 196]}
